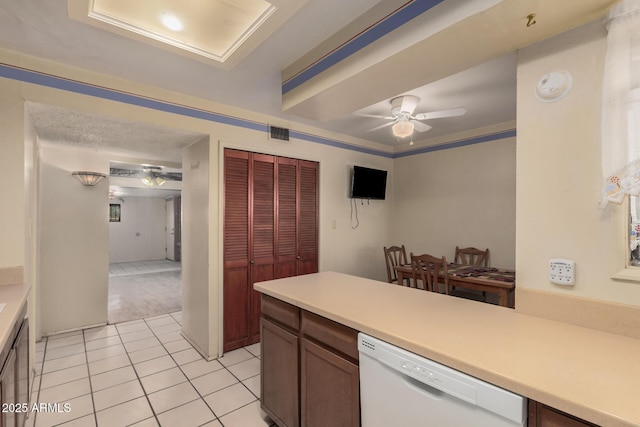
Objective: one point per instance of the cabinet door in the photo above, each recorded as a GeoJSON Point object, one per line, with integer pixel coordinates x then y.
{"type": "Point", "coordinates": [22, 369]}
{"type": "Point", "coordinates": [8, 390]}
{"type": "Point", "coordinates": [544, 416]}
{"type": "Point", "coordinates": [287, 235]}
{"type": "Point", "coordinates": [308, 217]}
{"type": "Point", "coordinates": [330, 388]}
{"type": "Point", "coordinates": [279, 385]}
{"type": "Point", "coordinates": [236, 250]}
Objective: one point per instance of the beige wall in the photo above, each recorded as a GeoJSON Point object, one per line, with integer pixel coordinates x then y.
{"type": "Point", "coordinates": [140, 234]}
{"type": "Point", "coordinates": [559, 174]}
{"type": "Point", "coordinates": [73, 249]}
{"type": "Point", "coordinates": [462, 196]}
{"type": "Point", "coordinates": [12, 161]}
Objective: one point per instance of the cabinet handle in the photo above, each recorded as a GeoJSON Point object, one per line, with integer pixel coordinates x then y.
{"type": "Point", "coordinates": [298, 257]}
{"type": "Point", "coordinates": [252, 262]}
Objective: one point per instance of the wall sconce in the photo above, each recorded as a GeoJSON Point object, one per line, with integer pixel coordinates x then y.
{"type": "Point", "coordinates": [88, 178]}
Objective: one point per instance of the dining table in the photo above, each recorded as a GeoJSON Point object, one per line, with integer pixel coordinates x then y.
{"type": "Point", "coordinates": [494, 280]}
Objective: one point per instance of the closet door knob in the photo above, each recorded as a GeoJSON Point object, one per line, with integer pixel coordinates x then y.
{"type": "Point", "coordinates": [252, 262]}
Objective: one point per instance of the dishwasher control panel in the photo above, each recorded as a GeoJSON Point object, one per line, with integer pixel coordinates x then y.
{"type": "Point", "coordinates": [439, 380]}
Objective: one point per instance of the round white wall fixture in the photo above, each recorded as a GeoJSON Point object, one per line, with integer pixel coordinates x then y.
{"type": "Point", "coordinates": [553, 86]}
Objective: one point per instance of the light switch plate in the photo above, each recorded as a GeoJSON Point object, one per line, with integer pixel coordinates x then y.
{"type": "Point", "coordinates": [562, 271]}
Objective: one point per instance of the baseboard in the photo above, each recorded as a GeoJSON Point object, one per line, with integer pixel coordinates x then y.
{"type": "Point", "coordinates": [198, 349]}
{"type": "Point", "coordinates": [604, 316]}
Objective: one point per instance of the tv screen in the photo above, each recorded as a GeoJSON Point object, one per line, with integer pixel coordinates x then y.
{"type": "Point", "coordinates": [368, 183]}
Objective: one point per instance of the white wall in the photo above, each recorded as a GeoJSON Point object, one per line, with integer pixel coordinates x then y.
{"type": "Point", "coordinates": [73, 235]}
{"type": "Point", "coordinates": [462, 196]}
{"type": "Point", "coordinates": [199, 315]}
{"type": "Point", "coordinates": [140, 235]}
{"type": "Point", "coordinates": [559, 176]}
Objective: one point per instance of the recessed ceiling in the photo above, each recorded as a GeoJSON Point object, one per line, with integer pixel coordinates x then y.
{"type": "Point", "coordinates": [219, 32]}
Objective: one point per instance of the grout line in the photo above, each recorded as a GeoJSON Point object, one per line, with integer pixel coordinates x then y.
{"type": "Point", "coordinates": [86, 358]}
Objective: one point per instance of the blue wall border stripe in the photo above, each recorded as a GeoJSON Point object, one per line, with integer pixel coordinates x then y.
{"type": "Point", "coordinates": [362, 40]}
{"type": "Point", "coordinates": [460, 143]}
{"type": "Point", "coordinates": [55, 82]}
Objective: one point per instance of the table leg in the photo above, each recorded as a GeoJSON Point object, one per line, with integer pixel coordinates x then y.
{"type": "Point", "coordinates": [503, 297]}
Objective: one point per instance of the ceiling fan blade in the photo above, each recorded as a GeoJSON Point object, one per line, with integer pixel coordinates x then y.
{"type": "Point", "coordinates": [419, 126]}
{"type": "Point", "coordinates": [454, 112]}
{"type": "Point", "coordinates": [374, 116]}
{"type": "Point", "coordinates": [409, 103]}
{"type": "Point", "coordinates": [381, 126]}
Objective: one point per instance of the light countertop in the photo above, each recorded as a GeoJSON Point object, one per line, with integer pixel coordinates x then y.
{"type": "Point", "coordinates": [14, 296]}
{"type": "Point", "coordinates": [591, 374]}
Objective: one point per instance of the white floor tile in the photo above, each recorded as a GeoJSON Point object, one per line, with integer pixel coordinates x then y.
{"type": "Point", "coordinates": [149, 422]}
{"type": "Point", "coordinates": [178, 345]}
{"type": "Point", "coordinates": [118, 394]}
{"type": "Point", "coordinates": [169, 398]}
{"type": "Point", "coordinates": [214, 381]}
{"type": "Point", "coordinates": [104, 353]}
{"type": "Point", "coordinates": [192, 414]}
{"type": "Point", "coordinates": [235, 356]}
{"type": "Point", "coordinates": [247, 416]}
{"type": "Point", "coordinates": [63, 376]}
{"type": "Point", "coordinates": [111, 378]}
{"type": "Point", "coordinates": [147, 354]}
{"type": "Point", "coordinates": [102, 343]}
{"type": "Point", "coordinates": [186, 356]}
{"type": "Point", "coordinates": [127, 327]}
{"type": "Point", "coordinates": [246, 369]}
{"type": "Point", "coordinates": [65, 392]}
{"type": "Point", "coordinates": [141, 344]}
{"type": "Point", "coordinates": [164, 319]}
{"type": "Point", "coordinates": [162, 380]}
{"type": "Point", "coordinates": [67, 350]}
{"type": "Point", "coordinates": [154, 365]}
{"type": "Point", "coordinates": [254, 349]}
{"type": "Point", "coordinates": [86, 421]}
{"type": "Point", "coordinates": [126, 413]}
{"type": "Point", "coordinates": [109, 364]}
{"type": "Point", "coordinates": [76, 338]}
{"type": "Point", "coordinates": [78, 407]}
{"type": "Point", "coordinates": [200, 367]}
{"type": "Point", "coordinates": [165, 329]}
{"type": "Point", "coordinates": [136, 335]}
{"type": "Point", "coordinates": [100, 332]}
{"type": "Point", "coordinates": [253, 384]}
{"type": "Point", "coordinates": [64, 362]}
{"type": "Point", "coordinates": [214, 423]}
{"type": "Point", "coordinates": [169, 337]}
{"type": "Point", "coordinates": [229, 399]}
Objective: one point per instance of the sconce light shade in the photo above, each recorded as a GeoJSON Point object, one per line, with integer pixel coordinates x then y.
{"type": "Point", "coordinates": [88, 178]}
{"type": "Point", "coordinates": [402, 129]}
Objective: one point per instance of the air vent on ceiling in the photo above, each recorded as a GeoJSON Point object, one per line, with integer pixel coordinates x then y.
{"type": "Point", "coordinates": [279, 133]}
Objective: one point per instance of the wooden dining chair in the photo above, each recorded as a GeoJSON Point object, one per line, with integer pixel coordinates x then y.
{"type": "Point", "coordinates": [394, 256]}
{"type": "Point", "coordinates": [471, 256]}
{"type": "Point", "coordinates": [427, 268]}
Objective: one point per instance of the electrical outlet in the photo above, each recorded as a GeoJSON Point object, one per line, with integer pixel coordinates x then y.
{"type": "Point", "coordinates": [562, 271]}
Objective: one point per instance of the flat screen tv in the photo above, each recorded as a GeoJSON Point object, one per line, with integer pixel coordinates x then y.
{"type": "Point", "coordinates": [368, 183]}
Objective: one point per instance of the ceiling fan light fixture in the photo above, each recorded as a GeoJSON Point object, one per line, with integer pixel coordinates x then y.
{"type": "Point", "coordinates": [402, 129]}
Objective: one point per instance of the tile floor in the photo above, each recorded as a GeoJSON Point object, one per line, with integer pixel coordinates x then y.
{"type": "Point", "coordinates": [120, 269]}
{"type": "Point", "coordinates": [143, 373]}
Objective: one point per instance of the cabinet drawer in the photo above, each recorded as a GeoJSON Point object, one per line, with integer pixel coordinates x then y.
{"type": "Point", "coordinates": [333, 335]}
{"type": "Point", "coordinates": [281, 312]}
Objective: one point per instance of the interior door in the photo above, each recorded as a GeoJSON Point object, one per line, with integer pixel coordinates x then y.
{"type": "Point", "coordinates": [307, 217]}
{"type": "Point", "coordinates": [287, 225]}
{"type": "Point", "coordinates": [170, 229]}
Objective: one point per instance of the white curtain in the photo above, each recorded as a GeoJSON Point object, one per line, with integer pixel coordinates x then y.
{"type": "Point", "coordinates": [621, 103]}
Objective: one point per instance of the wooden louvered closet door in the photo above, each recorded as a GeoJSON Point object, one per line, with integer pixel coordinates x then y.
{"type": "Point", "coordinates": [270, 231]}
{"type": "Point", "coordinates": [307, 217]}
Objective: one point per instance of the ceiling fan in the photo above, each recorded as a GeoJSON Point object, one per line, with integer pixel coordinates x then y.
{"type": "Point", "coordinates": [403, 121]}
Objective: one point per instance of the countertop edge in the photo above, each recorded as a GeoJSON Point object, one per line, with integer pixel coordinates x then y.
{"type": "Point", "coordinates": [15, 297]}
{"type": "Point", "coordinates": [563, 403]}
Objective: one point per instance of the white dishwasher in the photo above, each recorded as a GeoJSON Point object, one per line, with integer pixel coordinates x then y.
{"type": "Point", "coordinates": [400, 388]}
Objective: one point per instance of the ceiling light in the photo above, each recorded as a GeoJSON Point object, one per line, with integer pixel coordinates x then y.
{"type": "Point", "coordinates": [402, 129]}
{"type": "Point", "coordinates": [171, 22]}
{"type": "Point", "coordinates": [152, 177]}
{"type": "Point", "coordinates": [88, 178]}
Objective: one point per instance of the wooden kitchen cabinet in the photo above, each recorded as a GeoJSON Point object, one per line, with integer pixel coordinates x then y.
{"type": "Point", "coordinates": [14, 376]}
{"type": "Point", "coordinates": [310, 374]}
{"type": "Point", "coordinates": [544, 416]}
